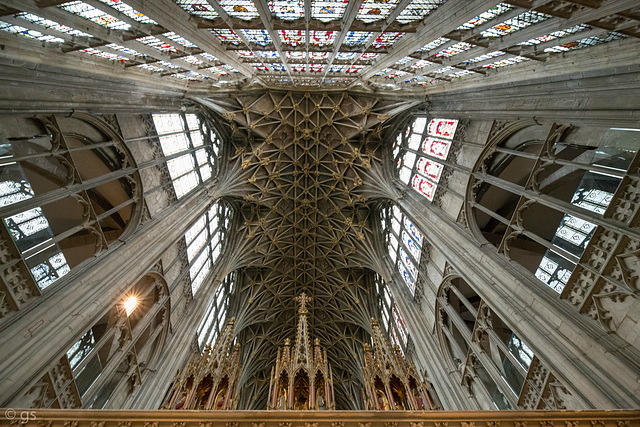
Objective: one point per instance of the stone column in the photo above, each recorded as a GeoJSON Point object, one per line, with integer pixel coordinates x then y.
{"type": "Point", "coordinates": [33, 338]}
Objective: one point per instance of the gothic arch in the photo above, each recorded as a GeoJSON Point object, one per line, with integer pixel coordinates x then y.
{"type": "Point", "coordinates": [491, 361]}
{"type": "Point", "coordinates": [109, 361]}
{"type": "Point", "coordinates": [555, 198]}
{"type": "Point", "coordinates": [70, 189]}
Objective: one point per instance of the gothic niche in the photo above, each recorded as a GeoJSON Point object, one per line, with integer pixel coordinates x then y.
{"type": "Point", "coordinates": [209, 380]}
{"type": "Point", "coordinates": [301, 380]}
{"type": "Point", "coordinates": [391, 382]}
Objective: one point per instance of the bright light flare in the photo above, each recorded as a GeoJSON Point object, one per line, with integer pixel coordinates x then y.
{"type": "Point", "coordinates": [130, 303]}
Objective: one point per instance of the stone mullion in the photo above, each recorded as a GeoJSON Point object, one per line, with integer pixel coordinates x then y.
{"type": "Point", "coordinates": [494, 370]}
{"type": "Point", "coordinates": [541, 241]}
{"type": "Point", "coordinates": [449, 334]}
{"type": "Point", "coordinates": [427, 349]}
{"type": "Point", "coordinates": [505, 350]}
{"type": "Point", "coordinates": [82, 197]}
{"type": "Point", "coordinates": [115, 209]}
{"type": "Point", "coordinates": [515, 227]}
{"type": "Point", "coordinates": [541, 318]}
{"type": "Point", "coordinates": [192, 148]}
{"type": "Point", "coordinates": [602, 272]}
{"type": "Point", "coordinates": [550, 159]}
{"type": "Point", "coordinates": [55, 195]}
{"type": "Point", "coordinates": [464, 300]}
{"type": "Point", "coordinates": [64, 151]}
{"type": "Point", "coordinates": [111, 365]}
{"type": "Point", "coordinates": [558, 205]}
{"type": "Point", "coordinates": [479, 353]}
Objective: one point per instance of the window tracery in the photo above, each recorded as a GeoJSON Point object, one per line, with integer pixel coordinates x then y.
{"type": "Point", "coordinates": [216, 315]}
{"type": "Point", "coordinates": [111, 359]}
{"type": "Point", "coordinates": [69, 189]}
{"type": "Point", "coordinates": [190, 146]}
{"type": "Point", "coordinates": [429, 144]}
{"type": "Point", "coordinates": [392, 320]}
{"type": "Point", "coordinates": [574, 179]}
{"type": "Point", "coordinates": [492, 361]}
{"type": "Point", "coordinates": [404, 245]}
{"type": "Point", "coordinates": [205, 240]}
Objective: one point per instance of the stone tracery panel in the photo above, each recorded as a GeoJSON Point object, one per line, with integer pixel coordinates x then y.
{"type": "Point", "coordinates": [70, 189]}
{"type": "Point", "coordinates": [584, 179]}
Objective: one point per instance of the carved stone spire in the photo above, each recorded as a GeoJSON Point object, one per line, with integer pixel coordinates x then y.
{"type": "Point", "coordinates": [304, 381]}
{"type": "Point", "coordinates": [302, 347]}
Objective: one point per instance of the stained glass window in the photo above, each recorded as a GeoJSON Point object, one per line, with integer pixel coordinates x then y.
{"type": "Point", "coordinates": [433, 45]}
{"type": "Point", "coordinates": [356, 38]}
{"type": "Point", "coordinates": [321, 38]}
{"type": "Point", "coordinates": [519, 22]}
{"type": "Point", "coordinates": [122, 7]}
{"type": "Point", "coordinates": [454, 49]}
{"type": "Point", "coordinates": [198, 8]}
{"type": "Point", "coordinates": [46, 23]}
{"type": "Point", "coordinates": [586, 42]}
{"type": "Point", "coordinates": [32, 34]}
{"type": "Point", "coordinates": [292, 37]}
{"type": "Point", "coordinates": [400, 325]}
{"type": "Point", "coordinates": [418, 9]}
{"type": "Point", "coordinates": [435, 141]}
{"type": "Point", "coordinates": [374, 10]}
{"type": "Point", "coordinates": [328, 10]}
{"type": "Point", "coordinates": [556, 34]}
{"type": "Point", "coordinates": [180, 136]}
{"type": "Point", "coordinates": [392, 320]}
{"type": "Point", "coordinates": [81, 349]}
{"type": "Point", "coordinates": [346, 55]}
{"type": "Point", "coordinates": [404, 243]}
{"type": "Point", "coordinates": [259, 37]}
{"type": "Point", "coordinates": [386, 39]}
{"type": "Point", "coordinates": [243, 9]}
{"type": "Point", "coordinates": [95, 15]}
{"type": "Point", "coordinates": [227, 36]}
{"type": "Point", "coordinates": [287, 9]}
{"type": "Point", "coordinates": [486, 16]}
{"type": "Point", "coordinates": [508, 61]}
{"type": "Point", "coordinates": [215, 317]}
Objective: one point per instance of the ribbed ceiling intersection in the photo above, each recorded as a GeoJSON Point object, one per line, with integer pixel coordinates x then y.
{"type": "Point", "coordinates": [299, 163]}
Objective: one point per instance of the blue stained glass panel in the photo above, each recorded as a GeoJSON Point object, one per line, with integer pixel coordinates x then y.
{"type": "Point", "coordinates": [411, 246]}
{"type": "Point", "coordinates": [415, 233]}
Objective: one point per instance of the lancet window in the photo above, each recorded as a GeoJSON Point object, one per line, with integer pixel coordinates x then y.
{"type": "Point", "coordinates": [216, 316]}
{"type": "Point", "coordinates": [392, 320]}
{"type": "Point", "coordinates": [205, 240]}
{"type": "Point", "coordinates": [69, 189]}
{"type": "Point", "coordinates": [555, 199]}
{"type": "Point", "coordinates": [493, 362]}
{"type": "Point", "coordinates": [110, 360]}
{"type": "Point", "coordinates": [190, 147]}
{"type": "Point", "coordinates": [421, 151]}
{"type": "Point", "coordinates": [404, 243]}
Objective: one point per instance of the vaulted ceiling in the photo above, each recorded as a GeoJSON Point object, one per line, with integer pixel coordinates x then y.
{"type": "Point", "coordinates": [298, 174]}
{"type": "Point", "coordinates": [376, 44]}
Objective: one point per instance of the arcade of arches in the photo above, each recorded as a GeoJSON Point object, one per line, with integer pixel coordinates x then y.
{"type": "Point", "coordinates": [254, 246]}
